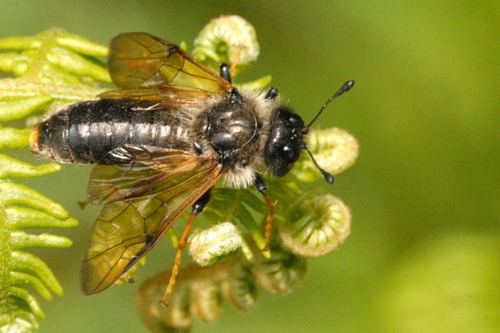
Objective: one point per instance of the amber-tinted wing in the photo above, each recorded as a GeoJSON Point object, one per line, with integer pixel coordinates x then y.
{"type": "Point", "coordinates": [147, 66]}
{"type": "Point", "coordinates": [143, 197]}
{"type": "Point", "coordinates": [159, 96]}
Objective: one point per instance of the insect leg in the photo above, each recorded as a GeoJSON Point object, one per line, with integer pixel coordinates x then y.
{"type": "Point", "coordinates": [271, 94]}
{"type": "Point", "coordinates": [261, 186]}
{"type": "Point", "coordinates": [198, 207]}
{"type": "Point", "coordinates": [225, 72]}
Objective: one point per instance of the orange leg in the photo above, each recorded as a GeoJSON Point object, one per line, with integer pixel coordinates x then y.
{"type": "Point", "coordinates": [197, 208]}
{"type": "Point", "coordinates": [178, 258]}
{"type": "Point", "coordinates": [269, 222]}
{"type": "Point", "coordinates": [262, 188]}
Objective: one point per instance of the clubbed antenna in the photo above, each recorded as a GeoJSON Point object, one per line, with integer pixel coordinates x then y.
{"type": "Point", "coordinates": [345, 88]}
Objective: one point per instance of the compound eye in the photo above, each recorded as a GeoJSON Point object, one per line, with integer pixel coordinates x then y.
{"type": "Point", "coordinates": [285, 141]}
{"type": "Point", "coordinates": [280, 157]}
{"type": "Point", "coordinates": [295, 122]}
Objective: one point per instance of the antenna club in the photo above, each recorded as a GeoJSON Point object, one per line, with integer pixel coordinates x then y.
{"type": "Point", "coordinates": [345, 88]}
{"type": "Point", "coordinates": [328, 177]}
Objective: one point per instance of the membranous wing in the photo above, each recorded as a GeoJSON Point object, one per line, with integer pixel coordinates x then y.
{"type": "Point", "coordinates": [143, 194]}
{"type": "Point", "coordinates": [147, 67]}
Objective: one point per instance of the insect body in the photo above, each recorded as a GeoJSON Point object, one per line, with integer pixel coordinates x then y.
{"type": "Point", "coordinates": [160, 143]}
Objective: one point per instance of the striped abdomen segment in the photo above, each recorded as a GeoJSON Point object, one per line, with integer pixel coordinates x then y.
{"type": "Point", "coordinates": [85, 132]}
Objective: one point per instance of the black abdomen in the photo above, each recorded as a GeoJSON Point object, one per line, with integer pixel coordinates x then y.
{"type": "Point", "coordinates": [85, 132]}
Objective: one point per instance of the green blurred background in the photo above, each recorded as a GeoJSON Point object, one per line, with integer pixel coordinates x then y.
{"type": "Point", "coordinates": [424, 253]}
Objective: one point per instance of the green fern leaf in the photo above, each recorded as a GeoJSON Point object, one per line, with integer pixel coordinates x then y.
{"type": "Point", "coordinates": [47, 70]}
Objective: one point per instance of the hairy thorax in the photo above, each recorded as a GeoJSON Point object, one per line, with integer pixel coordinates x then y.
{"type": "Point", "coordinates": [236, 131]}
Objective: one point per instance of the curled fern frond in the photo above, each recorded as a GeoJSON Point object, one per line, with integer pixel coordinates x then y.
{"type": "Point", "coordinates": [227, 39]}
{"type": "Point", "coordinates": [207, 246]}
{"type": "Point", "coordinates": [316, 227]}
{"type": "Point", "coordinates": [200, 291]}
{"type": "Point", "coordinates": [232, 40]}
{"type": "Point", "coordinates": [47, 69]}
